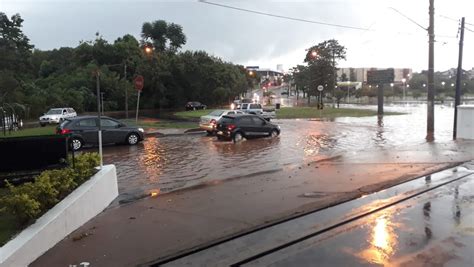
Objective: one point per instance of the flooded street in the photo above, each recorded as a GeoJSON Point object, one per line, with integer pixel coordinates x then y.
{"type": "Point", "coordinates": [168, 163]}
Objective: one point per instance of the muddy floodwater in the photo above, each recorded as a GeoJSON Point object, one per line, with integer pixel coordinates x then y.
{"type": "Point", "coordinates": [164, 164]}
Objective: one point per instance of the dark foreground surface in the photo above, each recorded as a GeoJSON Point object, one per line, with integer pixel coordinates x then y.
{"type": "Point", "coordinates": [426, 222]}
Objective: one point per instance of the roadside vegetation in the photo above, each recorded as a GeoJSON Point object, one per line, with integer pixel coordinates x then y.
{"type": "Point", "coordinates": [66, 77]}
{"type": "Point", "coordinates": [21, 205]}
{"type": "Point", "coordinates": [312, 112]}
{"type": "Point", "coordinates": [48, 130]}
{"type": "Point", "coordinates": [192, 114]}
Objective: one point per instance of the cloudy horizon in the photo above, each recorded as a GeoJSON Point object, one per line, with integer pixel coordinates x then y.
{"type": "Point", "coordinates": [252, 39]}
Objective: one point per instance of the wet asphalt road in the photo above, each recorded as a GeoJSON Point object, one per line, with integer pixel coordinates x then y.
{"type": "Point", "coordinates": [170, 163]}
{"type": "Point", "coordinates": [425, 222]}
{"type": "Point", "coordinates": [433, 229]}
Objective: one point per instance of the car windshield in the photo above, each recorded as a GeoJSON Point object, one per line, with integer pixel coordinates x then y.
{"type": "Point", "coordinates": [54, 112]}
{"type": "Point", "coordinates": [216, 113]}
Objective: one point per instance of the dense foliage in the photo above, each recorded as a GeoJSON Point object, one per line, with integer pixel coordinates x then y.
{"type": "Point", "coordinates": [30, 200]}
{"type": "Point", "coordinates": [39, 80]}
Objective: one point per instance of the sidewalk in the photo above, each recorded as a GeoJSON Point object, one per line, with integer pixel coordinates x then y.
{"type": "Point", "coordinates": [168, 224]}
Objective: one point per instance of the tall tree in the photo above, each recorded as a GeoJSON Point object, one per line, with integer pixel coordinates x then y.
{"type": "Point", "coordinates": [322, 62]}
{"type": "Point", "coordinates": [163, 36]}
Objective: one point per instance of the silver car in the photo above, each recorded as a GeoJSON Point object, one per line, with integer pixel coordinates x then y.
{"type": "Point", "coordinates": [208, 122]}
{"type": "Point", "coordinates": [57, 115]}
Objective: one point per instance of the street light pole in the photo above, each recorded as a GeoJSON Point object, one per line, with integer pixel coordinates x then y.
{"type": "Point", "coordinates": [126, 88]}
{"type": "Point", "coordinates": [430, 102]}
{"type": "Point", "coordinates": [98, 113]}
{"type": "Point", "coordinates": [457, 99]}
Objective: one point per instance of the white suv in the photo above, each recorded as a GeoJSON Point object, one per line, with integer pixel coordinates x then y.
{"type": "Point", "coordinates": [56, 115]}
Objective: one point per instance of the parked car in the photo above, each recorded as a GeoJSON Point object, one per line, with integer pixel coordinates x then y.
{"type": "Point", "coordinates": [237, 127]}
{"type": "Point", "coordinates": [57, 115]}
{"type": "Point", "coordinates": [208, 122]}
{"type": "Point", "coordinates": [257, 109]}
{"type": "Point", "coordinates": [195, 105]}
{"type": "Point", "coordinates": [84, 131]}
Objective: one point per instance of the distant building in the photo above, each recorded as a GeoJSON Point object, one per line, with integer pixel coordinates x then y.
{"type": "Point", "coordinates": [266, 74]}
{"type": "Point", "coordinates": [360, 74]}
{"type": "Point", "coordinates": [280, 68]}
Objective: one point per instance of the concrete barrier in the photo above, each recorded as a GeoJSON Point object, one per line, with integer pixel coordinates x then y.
{"type": "Point", "coordinates": [77, 208]}
{"type": "Point", "coordinates": [465, 122]}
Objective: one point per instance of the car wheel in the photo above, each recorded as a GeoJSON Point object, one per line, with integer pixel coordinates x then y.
{"type": "Point", "coordinates": [220, 138]}
{"type": "Point", "coordinates": [76, 143]}
{"type": "Point", "coordinates": [237, 137]}
{"type": "Point", "coordinates": [132, 139]}
{"type": "Point", "coordinates": [42, 124]}
{"type": "Point", "coordinates": [274, 133]}
{"type": "Point", "coordinates": [210, 133]}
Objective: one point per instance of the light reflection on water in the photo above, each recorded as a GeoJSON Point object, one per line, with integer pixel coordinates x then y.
{"type": "Point", "coordinates": [382, 242]}
{"type": "Point", "coordinates": [170, 163]}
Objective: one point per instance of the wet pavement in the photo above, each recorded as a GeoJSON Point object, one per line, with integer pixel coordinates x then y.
{"type": "Point", "coordinates": [433, 229]}
{"type": "Point", "coordinates": [165, 164]}
{"type": "Point", "coordinates": [426, 222]}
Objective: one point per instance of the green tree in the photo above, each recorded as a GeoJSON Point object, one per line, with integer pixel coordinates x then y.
{"type": "Point", "coordinates": [164, 36]}
{"type": "Point", "coordinates": [321, 59]}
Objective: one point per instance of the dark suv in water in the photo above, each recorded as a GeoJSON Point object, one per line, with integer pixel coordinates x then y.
{"type": "Point", "coordinates": [237, 127]}
{"type": "Point", "coordinates": [84, 131]}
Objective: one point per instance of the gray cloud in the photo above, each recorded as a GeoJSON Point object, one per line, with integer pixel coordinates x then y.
{"type": "Point", "coordinates": [243, 37]}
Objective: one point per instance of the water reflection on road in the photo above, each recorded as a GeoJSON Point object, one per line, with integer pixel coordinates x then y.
{"type": "Point", "coordinates": [168, 163]}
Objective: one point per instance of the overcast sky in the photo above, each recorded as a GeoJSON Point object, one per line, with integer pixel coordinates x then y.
{"type": "Point", "coordinates": [251, 39]}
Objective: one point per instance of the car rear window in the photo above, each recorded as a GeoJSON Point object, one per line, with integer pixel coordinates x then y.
{"type": "Point", "coordinates": [64, 123]}
{"type": "Point", "coordinates": [87, 123]}
{"type": "Point", "coordinates": [226, 119]}
{"type": "Point", "coordinates": [255, 106]}
{"type": "Point", "coordinates": [216, 113]}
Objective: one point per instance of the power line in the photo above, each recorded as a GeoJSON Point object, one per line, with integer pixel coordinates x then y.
{"type": "Point", "coordinates": [448, 18]}
{"type": "Point", "coordinates": [285, 17]}
{"type": "Point", "coordinates": [410, 19]}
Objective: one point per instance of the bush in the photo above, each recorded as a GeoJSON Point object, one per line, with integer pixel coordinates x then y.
{"type": "Point", "coordinates": [30, 200]}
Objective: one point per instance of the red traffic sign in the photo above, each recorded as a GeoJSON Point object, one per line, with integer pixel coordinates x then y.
{"type": "Point", "coordinates": [139, 81]}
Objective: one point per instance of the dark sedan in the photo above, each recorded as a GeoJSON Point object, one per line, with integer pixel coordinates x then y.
{"type": "Point", "coordinates": [237, 127]}
{"type": "Point", "coordinates": [84, 131]}
{"type": "Point", "coordinates": [195, 105]}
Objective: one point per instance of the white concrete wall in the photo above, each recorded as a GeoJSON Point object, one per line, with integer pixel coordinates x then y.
{"type": "Point", "coordinates": [80, 206]}
{"type": "Point", "coordinates": [465, 122]}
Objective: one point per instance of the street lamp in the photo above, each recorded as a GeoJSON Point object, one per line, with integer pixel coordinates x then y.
{"type": "Point", "coordinates": [148, 49]}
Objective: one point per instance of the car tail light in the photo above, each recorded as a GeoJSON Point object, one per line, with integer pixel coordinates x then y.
{"type": "Point", "coordinates": [231, 127]}
{"type": "Point", "coordinates": [64, 131]}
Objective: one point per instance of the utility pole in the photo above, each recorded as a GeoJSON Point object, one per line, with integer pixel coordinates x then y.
{"type": "Point", "coordinates": [335, 77]}
{"type": "Point", "coordinates": [126, 88]}
{"type": "Point", "coordinates": [457, 100]}
{"type": "Point", "coordinates": [430, 102]}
